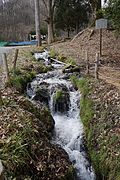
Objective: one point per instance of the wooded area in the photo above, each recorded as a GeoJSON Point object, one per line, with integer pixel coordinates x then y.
{"type": "Point", "coordinates": [17, 18]}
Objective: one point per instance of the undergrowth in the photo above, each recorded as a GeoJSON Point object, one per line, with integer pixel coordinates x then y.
{"type": "Point", "coordinates": [102, 147]}
{"type": "Point", "coordinates": [19, 79]}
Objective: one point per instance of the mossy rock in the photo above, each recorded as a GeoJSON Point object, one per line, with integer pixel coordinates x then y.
{"type": "Point", "coordinates": [61, 101]}
{"type": "Point", "coordinates": [40, 112]}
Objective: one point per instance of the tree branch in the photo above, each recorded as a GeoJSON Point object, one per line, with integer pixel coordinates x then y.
{"type": "Point", "coordinates": [45, 3]}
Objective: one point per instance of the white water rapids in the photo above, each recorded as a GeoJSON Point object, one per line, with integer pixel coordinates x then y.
{"type": "Point", "coordinates": [68, 132]}
{"type": "Point", "coordinates": [68, 126]}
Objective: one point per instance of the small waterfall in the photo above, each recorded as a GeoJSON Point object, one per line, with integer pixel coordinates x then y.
{"type": "Point", "coordinates": [68, 131]}
{"type": "Point", "coordinates": [69, 134]}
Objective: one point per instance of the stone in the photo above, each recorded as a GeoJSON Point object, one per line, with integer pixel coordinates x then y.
{"type": "Point", "coordinates": [61, 100]}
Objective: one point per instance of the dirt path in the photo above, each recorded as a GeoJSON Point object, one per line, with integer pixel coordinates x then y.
{"type": "Point", "coordinates": [111, 75]}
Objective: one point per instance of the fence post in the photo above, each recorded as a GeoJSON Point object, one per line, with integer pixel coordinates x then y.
{"type": "Point", "coordinates": [97, 65]}
{"type": "Point", "coordinates": [15, 59]}
{"type": "Point", "coordinates": [1, 101]}
{"type": "Point", "coordinates": [87, 63]}
{"type": "Point", "coordinates": [1, 172]}
{"type": "Point", "coordinates": [6, 67]}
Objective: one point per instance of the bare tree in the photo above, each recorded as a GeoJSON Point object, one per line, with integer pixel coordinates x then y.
{"type": "Point", "coordinates": [50, 7]}
{"type": "Point", "coordinates": [37, 22]}
{"type": "Point", "coordinates": [16, 19]}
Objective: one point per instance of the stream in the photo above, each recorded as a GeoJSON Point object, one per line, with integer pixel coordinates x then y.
{"type": "Point", "coordinates": [68, 131]}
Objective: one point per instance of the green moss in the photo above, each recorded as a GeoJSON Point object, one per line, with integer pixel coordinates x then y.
{"type": "Point", "coordinates": [43, 69]}
{"type": "Point", "coordinates": [71, 61]}
{"type": "Point", "coordinates": [58, 95]}
{"type": "Point", "coordinates": [70, 175]}
{"type": "Point", "coordinates": [19, 80]}
{"type": "Point", "coordinates": [52, 53]}
{"type": "Point", "coordinates": [42, 114]}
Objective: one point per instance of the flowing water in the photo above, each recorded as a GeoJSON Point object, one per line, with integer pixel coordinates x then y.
{"type": "Point", "coordinates": [68, 132]}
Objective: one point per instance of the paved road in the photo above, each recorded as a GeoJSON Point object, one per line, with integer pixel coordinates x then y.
{"type": "Point", "coordinates": [5, 50]}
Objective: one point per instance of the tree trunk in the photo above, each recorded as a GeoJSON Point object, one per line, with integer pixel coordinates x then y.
{"type": "Point", "coordinates": [37, 22]}
{"type": "Point", "coordinates": [50, 33]}
{"type": "Point", "coordinates": [50, 22]}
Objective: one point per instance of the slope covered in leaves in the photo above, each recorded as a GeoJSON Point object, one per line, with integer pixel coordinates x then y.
{"type": "Point", "coordinates": [25, 148]}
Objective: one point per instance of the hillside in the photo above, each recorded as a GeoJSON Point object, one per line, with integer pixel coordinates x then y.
{"type": "Point", "coordinates": [88, 40]}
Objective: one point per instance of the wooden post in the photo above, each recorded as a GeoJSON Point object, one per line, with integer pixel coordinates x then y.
{"type": "Point", "coordinates": [96, 65]}
{"type": "Point", "coordinates": [1, 101]}
{"type": "Point", "coordinates": [100, 42]}
{"type": "Point", "coordinates": [6, 67]}
{"type": "Point", "coordinates": [87, 63]}
{"type": "Point", "coordinates": [15, 59]}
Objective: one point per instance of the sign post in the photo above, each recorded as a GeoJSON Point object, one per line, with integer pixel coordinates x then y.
{"type": "Point", "coordinates": [101, 24]}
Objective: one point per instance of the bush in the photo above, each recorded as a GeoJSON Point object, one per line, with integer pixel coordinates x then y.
{"type": "Point", "coordinates": [19, 80]}
{"type": "Point", "coordinates": [71, 61]}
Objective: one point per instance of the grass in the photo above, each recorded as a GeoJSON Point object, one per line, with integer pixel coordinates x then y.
{"type": "Point", "coordinates": [19, 80]}
{"type": "Point", "coordinates": [58, 95]}
{"type": "Point", "coordinates": [52, 53]}
{"type": "Point", "coordinates": [103, 145]}
{"type": "Point", "coordinates": [71, 61]}
{"type": "Point", "coordinates": [86, 105]}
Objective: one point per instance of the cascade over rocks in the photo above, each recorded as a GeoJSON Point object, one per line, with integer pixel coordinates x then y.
{"type": "Point", "coordinates": [61, 100]}
{"type": "Point", "coordinates": [60, 96]}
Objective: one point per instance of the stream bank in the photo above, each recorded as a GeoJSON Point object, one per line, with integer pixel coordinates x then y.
{"type": "Point", "coordinates": [100, 114]}
{"type": "Point", "coordinates": [26, 131]}
{"type": "Point", "coordinates": [26, 151]}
